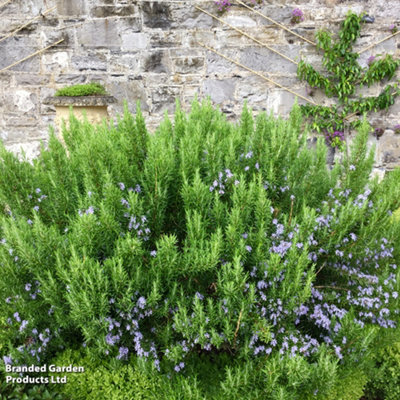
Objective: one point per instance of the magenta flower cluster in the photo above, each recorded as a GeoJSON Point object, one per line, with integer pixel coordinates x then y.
{"type": "Point", "coordinates": [334, 138]}
{"type": "Point", "coordinates": [297, 16]}
{"type": "Point", "coordinates": [223, 5]}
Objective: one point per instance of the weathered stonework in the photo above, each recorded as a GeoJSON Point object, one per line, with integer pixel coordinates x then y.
{"type": "Point", "coordinates": [149, 51]}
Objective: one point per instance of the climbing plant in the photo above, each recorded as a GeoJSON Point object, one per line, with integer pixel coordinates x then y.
{"type": "Point", "coordinates": [344, 75]}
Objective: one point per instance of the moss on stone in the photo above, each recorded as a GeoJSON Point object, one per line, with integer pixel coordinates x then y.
{"type": "Point", "coordinates": [89, 89]}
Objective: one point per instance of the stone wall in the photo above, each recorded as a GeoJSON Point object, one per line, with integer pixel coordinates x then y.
{"type": "Point", "coordinates": [149, 51]}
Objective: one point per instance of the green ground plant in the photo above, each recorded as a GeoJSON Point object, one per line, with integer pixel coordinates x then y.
{"type": "Point", "coordinates": [384, 382]}
{"type": "Point", "coordinates": [89, 89]}
{"type": "Point", "coordinates": [206, 243]}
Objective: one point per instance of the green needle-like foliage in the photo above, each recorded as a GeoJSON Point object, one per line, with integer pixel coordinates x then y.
{"type": "Point", "coordinates": [205, 242]}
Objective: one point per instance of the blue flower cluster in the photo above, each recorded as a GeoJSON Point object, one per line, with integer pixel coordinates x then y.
{"type": "Point", "coordinates": [124, 330]}
{"type": "Point", "coordinates": [224, 178]}
{"type": "Point", "coordinates": [354, 287]}
{"type": "Point", "coordinates": [137, 223]}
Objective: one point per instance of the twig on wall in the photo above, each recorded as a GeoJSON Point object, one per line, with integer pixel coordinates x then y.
{"type": "Point", "coordinates": [28, 23]}
{"type": "Point", "coordinates": [31, 55]}
{"type": "Point", "coordinates": [380, 41]}
{"type": "Point", "coordinates": [274, 22]}
{"type": "Point", "coordinates": [5, 3]}
{"type": "Point", "coordinates": [257, 73]}
{"type": "Point", "coordinates": [245, 34]}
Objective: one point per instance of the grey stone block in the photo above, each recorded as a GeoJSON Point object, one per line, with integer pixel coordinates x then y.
{"type": "Point", "coordinates": [156, 15]}
{"type": "Point", "coordinates": [99, 33]}
{"type": "Point", "coordinates": [15, 49]}
{"type": "Point", "coordinates": [219, 90]}
{"type": "Point", "coordinates": [24, 101]}
{"type": "Point", "coordinates": [32, 79]}
{"type": "Point", "coordinates": [156, 61]}
{"type": "Point", "coordinates": [110, 11]}
{"type": "Point", "coordinates": [218, 65]}
{"type": "Point", "coordinates": [163, 99]}
{"type": "Point", "coordinates": [184, 17]}
{"type": "Point", "coordinates": [126, 64]}
{"type": "Point", "coordinates": [165, 39]}
{"type": "Point", "coordinates": [188, 65]}
{"type": "Point", "coordinates": [92, 62]}
{"type": "Point", "coordinates": [70, 78]}
{"type": "Point", "coordinates": [263, 59]}
{"type": "Point", "coordinates": [71, 7]}
{"type": "Point", "coordinates": [131, 91]}
{"type": "Point", "coordinates": [132, 41]}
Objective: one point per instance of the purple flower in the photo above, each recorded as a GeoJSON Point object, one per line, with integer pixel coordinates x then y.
{"type": "Point", "coordinates": [153, 253]}
{"type": "Point", "coordinates": [7, 360]}
{"type": "Point", "coordinates": [37, 190]}
{"type": "Point", "coordinates": [223, 5]}
{"type": "Point", "coordinates": [29, 221]}
{"type": "Point", "coordinates": [111, 340]}
{"type": "Point", "coordinates": [297, 12]}
{"type": "Point", "coordinates": [17, 317]}
{"type": "Point", "coordinates": [23, 325]}
{"type": "Point", "coordinates": [141, 303]}
{"type": "Point", "coordinates": [199, 296]}
{"type": "Point", "coordinates": [90, 210]}
{"type": "Point", "coordinates": [36, 208]}
{"type": "Point", "coordinates": [121, 186]}
{"type": "Point", "coordinates": [28, 287]}
{"type": "Point", "coordinates": [123, 353]}
{"type": "Point", "coordinates": [370, 60]}
{"type": "Point", "coordinates": [297, 16]}
{"type": "Point", "coordinates": [125, 203]}
{"type": "Point", "coordinates": [249, 249]}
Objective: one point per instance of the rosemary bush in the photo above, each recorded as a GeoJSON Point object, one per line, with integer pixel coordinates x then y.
{"type": "Point", "coordinates": [205, 241]}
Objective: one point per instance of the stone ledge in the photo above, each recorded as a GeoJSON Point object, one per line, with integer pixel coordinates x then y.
{"type": "Point", "coordinates": [80, 101]}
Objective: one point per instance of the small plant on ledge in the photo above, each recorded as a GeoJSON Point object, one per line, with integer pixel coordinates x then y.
{"type": "Point", "coordinates": [89, 89]}
{"type": "Point", "coordinates": [344, 76]}
{"type": "Point", "coordinates": [297, 16]}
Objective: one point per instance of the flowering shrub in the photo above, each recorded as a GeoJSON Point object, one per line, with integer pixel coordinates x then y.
{"type": "Point", "coordinates": [397, 129]}
{"type": "Point", "coordinates": [297, 16]}
{"type": "Point", "coordinates": [206, 240]}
